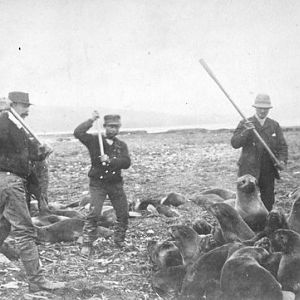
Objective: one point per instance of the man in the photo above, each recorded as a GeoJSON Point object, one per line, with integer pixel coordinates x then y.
{"type": "Point", "coordinates": [105, 177]}
{"type": "Point", "coordinates": [16, 152]}
{"type": "Point", "coordinates": [254, 159]}
{"type": "Point", "coordinates": [38, 179]}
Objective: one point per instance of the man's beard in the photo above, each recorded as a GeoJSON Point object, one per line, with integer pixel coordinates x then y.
{"type": "Point", "coordinates": [24, 115]}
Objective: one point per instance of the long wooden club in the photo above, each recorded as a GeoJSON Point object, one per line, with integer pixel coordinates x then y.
{"type": "Point", "coordinates": [211, 74]}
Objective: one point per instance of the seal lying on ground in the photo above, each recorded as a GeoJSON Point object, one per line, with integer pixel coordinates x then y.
{"type": "Point", "coordinates": [164, 254]}
{"type": "Point", "coordinates": [248, 203]}
{"type": "Point", "coordinates": [45, 220]}
{"type": "Point", "coordinates": [294, 217]}
{"type": "Point", "coordinates": [206, 200]}
{"type": "Point", "coordinates": [203, 275]}
{"type": "Point", "coordinates": [233, 226]}
{"type": "Point", "coordinates": [288, 241]}
{"type": "Point", "coordinates": [223, 193]}
{"type": "Point", "coordinates": [62, 231]}
{"type": "Point", "coordinates": [243, 277]}
{"type": "Point", "coordinates": [174, 199]}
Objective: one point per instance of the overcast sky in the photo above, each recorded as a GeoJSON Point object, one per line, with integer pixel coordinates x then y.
{"type": "Point", "coordinates": [144, 54]}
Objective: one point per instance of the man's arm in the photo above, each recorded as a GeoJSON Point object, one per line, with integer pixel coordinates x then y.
{"type": "Point", "coordinates": [242, 134]}
{"type": "Point", "coordinates": [81, 134]}
{"type": "Point", "coordinates": [123, 160]}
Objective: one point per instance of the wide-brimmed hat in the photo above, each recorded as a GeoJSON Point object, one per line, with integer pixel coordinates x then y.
{"type": "Point", "coordinates": [19, 97]}
{"type": "Point", "coordinates": [112, 120]}
{"type": "Point", "coordinates": [262, 101]}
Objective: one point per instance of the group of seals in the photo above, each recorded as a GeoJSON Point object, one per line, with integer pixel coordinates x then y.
{"type": "Point", "coordinates": [253, 253]}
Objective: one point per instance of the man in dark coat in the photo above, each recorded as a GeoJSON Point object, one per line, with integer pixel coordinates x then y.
{"type": "Point", "coordinates": [17, 151]}
{"type": "Point", "coordinates": [105, 177]}
{"type": "Point", "coordinates": [254, 159]}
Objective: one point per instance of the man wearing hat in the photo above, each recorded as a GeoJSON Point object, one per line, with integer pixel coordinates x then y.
{"type": "Point", "coordinates": [105, 177]}
{"type": "Point", "coordinates": [38, 180]}
{"type": "Point", "coordinates": [17, 151]}
{"type": "Point", "coordinates": [254, 159]}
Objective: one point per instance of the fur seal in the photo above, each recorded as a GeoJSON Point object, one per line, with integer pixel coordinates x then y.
{"type": "Point", "coordinates": [294, 216]}
{"type": "Point", "coordinates": [62, 231]}
{"type": "Point", "coordinates": [67, 213]}
{"type": "Point", "coordinates": [223, 193]}
{"type": "Point", "coordinates": [164, 254]}
{"type": "Point", "coordinates": [201, 226]}
{"type": "Point", "coordinates": [203, 276]}
{"type": "Point", "coordinates": [190, 244]}
{"type": "Point", "coordinates": [168, 281]}
{"type": "Point", "coordinates": [248, 203]}
{"type": "Point", "coordinates": [242, 276]}
{"type": "Point", "coordinates": [47, 220]}
{"type": "Point", "coordinates": [275, 220]}
{"type": "Point", "coordinates": [288, 242]}
{"type": "Point", "coordinates": [187, 241]}
{"type": "Point", "coordinates": [206, 200]}
{"type": "Point", "coordinates": [174, 199]}
{"type": "Point", "coordinates": [233, 226]}
{"type": "Point", "coordinates": [167, 211]}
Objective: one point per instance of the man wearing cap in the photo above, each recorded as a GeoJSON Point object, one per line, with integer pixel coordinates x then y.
{"type": "Point", "coordinates": [17, 150]}
{"type": "Point", "coordinates": [105, 177]}
{"type": "Point", "coordinates": [254, 159]}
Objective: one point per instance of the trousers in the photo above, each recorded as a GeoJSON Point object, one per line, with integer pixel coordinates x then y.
{"type": "Point", "coordinates": [98, 192]}
{"type": "Point", "coordinates": [15, 218]}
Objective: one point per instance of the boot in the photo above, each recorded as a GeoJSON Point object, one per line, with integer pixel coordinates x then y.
{"type": "Point", "coordinates": [87, 249]}
{"type": "Point", "coordinates": [46, 285]}
{"type": "Point", "coordinates": [37, 281]}
{"type": "Point", "coordinates": [119, 235]}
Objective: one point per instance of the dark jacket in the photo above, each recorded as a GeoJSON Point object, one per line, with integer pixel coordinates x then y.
{"type": "Point", "coordinates": [253, 151]}
{"type": "Point", "coordinates": [16, 148]}
{"type": "Point", "coordinates": [117, 153]}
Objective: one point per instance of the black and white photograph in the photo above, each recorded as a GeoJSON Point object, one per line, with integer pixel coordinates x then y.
{"type": "Point", "coordinates": [150, 149]}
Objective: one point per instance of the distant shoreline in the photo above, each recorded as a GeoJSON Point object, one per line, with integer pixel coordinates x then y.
{"type": "Point", "coordinates": [128, 131]}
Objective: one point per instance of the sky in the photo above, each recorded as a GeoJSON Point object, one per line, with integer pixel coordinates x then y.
{"type": "Point", "coordinates": [144, 54]}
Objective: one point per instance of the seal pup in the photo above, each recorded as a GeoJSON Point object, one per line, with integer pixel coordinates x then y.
{"type": "Point", "coordinates": [248, 203]}
{"type": "Point", "coordinates": [242, 276]}
{"type": "Point", "coordinates": [203, 276]}
{"type": "Point", "coordinates": [164, 254]}
{"type": "Point", "coordinates": [288, 242]}
{"type": "Point", "coordinates": [233, 226]}
{"type": "Point", "coordinates": [294, 216]}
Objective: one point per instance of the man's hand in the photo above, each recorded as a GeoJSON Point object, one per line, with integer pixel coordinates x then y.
{"type": "Point", "coordinates": [45, 150]}
{"type": "Point", "coordinates": [104, 158]}
{"type": "Point", "coordinates": [281, 166]}
{"type": "Point", "coordinates": [249, 125]}
{"type": "Point", "coordinates": [95, 115]}
{"type": "Point", "coordinates": [5, 104]}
